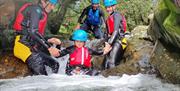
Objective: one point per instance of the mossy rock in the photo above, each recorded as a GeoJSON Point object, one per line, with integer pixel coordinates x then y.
{"type": "Point", "coordinates": [165, 30]}
{"type": "Point", "coordinates": [166, 26]}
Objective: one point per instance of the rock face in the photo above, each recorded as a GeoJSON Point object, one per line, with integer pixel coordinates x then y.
{"type": "Point", "coordinates": [165, 30]}
{"type": "Point", "coordinates": [11, 67]}
{"type": "Point", "coordinates": [165, 25]}
{"type": "Point", "coordinates": [167, 63]}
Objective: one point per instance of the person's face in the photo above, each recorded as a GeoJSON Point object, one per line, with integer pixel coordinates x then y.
{"type": "Point", "coordinates": [79, 44]}
{"type": "Point", "coordinates": [95, 6]}
{"type": "Point", "coordinates": [110, 9]}
{"type": "Point", "coordinates": [49, 7]}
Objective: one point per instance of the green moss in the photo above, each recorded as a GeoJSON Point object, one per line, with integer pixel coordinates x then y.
{"type": "Point", "coordinates": [172, 6]}
{"type": "Point", "coordinates": [171, 24]}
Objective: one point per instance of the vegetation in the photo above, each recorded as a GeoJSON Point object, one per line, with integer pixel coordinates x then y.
{"type": "Point", "coordinates": [135, 11]}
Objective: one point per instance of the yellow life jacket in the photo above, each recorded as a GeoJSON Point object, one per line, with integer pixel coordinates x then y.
{"type": "Point", "coordinates": [124, 43]}
{"type": "Point", "coordinates": [21, 51]}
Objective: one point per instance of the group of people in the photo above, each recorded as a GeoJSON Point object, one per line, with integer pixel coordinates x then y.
{"type": "Point", "coordinates": [34, 49]}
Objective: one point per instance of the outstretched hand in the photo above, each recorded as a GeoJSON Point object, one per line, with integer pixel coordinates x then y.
{"type": "Point", "coordinates": [55, 41]}
{"type": "Point", "coordinates": [54, 51]}
{"type": "Point", "coordinates": [107, 48]}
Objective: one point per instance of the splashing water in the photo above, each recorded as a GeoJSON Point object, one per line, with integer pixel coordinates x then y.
{"type": "Point", "coordinates": [57, 82]}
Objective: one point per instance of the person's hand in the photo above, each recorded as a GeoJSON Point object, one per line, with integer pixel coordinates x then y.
{"type": "Point", "coordinates": [77, 27]}
{"type": "Point", "coordinates": [107, 48]}
{"type": "Point", "coordinates": [54, 51]}
{"type": "Point", "coordinates": [55, 41]}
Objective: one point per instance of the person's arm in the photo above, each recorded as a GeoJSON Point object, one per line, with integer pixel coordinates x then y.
{"type": "Point", "coordinates": [33, 15]}
{"type": "Point", "coordinates": [66, 51]}
{"type": "Point", "coordinates": [102, 15]}
{"type": "Point", "coordinates": [80, 20]}
{"type": "Point", "coordinates": [94, 52]}
{"type": "Point", "coordinates": [106, 37]}
{"type": "Point", "coordinates": [117, 26]}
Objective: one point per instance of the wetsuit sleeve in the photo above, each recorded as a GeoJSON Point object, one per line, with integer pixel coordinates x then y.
{"type": "Point", "coordinates": [106, 34]}
{"type": "Point", "coordinates": [85, 11]}
{"type": "Point", "coordinates": [66, 51]}
{"type": "Point", "coordinates": [102, 15]}
{"type": "Point", "coordinates": [94, 52]}
{"type": "Point", "coordinates": [117, 28]}
{"type": "Point", "coordinates": [34, 15]}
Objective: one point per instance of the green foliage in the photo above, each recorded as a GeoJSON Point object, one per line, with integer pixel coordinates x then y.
{"type": "Point", "coordinates": [135, 11]}
{"type": "Point", "coordinates": [72, 15]}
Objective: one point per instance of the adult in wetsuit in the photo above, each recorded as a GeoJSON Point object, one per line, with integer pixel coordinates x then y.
{"type": "Point", "coordinates": [114, 35]}
{"type": "Point", "coordinates": [94, 19]}
{"type": "Point", "coordinates": [30, 25]}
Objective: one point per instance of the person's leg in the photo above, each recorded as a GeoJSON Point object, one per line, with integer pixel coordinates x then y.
{"type": "Point", "coordinates": [106, 62]}
{"type": "Point", "coordinates": [115, 55]}
{"type": "Point", "coordinates": [36, 64]}
{"type": "Point", "coordinates": [85, 27]}
{"type": "Point", "coordinates": [113, 58]}
{"type": "Point", "coordinates": [49, 61]}
{"type": "Point", "coordinates": [97, 32]}
{"type": "Point", "coordinates": [68, 69]}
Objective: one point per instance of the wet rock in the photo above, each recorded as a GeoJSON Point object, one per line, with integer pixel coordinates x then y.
{"type": "Point", "coordinates": [164, 29]}
{"type": "Point", "coordinates": [167, 63]}
{"type": "Point", "coordinates": [165, 25]}
{"type": "Point", "coordinates": [11, 67]}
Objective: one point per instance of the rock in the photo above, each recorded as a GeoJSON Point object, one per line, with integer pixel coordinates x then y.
{"type": "Point", "coordinates": [167, 63]}
{"type": "Point", "coordinates": [166, 26]}
{"type": "Point", "coordinates": [11, 67]}
{"type": "Point", "coordinates": [164, 29]}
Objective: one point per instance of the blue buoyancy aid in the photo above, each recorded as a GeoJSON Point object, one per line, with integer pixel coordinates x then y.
{"type": "Point", "coordinates": [94, 17]}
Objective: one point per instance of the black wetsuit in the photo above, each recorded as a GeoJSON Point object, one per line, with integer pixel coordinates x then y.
{"type": "Point", "coordinates": [90, 27]}
{"type": "Point", "coordinates": [29, 36]}
{"type": "Point", "coordinates": [114, 57]}
{"type": "Point", "coordinates": [70, 50]}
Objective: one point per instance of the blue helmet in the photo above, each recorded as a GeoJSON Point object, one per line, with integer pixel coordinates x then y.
{"type": "Point", "coordinates": [95, 1]}
{"type": "Point", "coordinates": [108, 3]}
{"type": "Point", "coordinates": [79, 35]}
{"type": "Point", "coordinates": [53, 1]}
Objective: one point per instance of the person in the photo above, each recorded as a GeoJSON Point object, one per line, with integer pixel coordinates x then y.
{"type": "Point", "coordinates": [30, 45]}
{"type": "Point", "coordinates": [80, 56]}
{"type": "Point", "coordinates": [116, 26]}
{"type": "Point", "coordinates": [94, 19]}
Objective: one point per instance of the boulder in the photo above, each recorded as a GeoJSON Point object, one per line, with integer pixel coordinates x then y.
{"type": "Point", "coordinates": [165, 26]}
{"type": "Point", "coordinates": [167, 63]}
{"type": "Point", "coordinates": [165, 30]}
{"type": "Point", "coordinates": [11, 67]}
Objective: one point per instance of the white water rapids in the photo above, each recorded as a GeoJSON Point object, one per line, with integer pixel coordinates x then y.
{"type": "Point", "coordinates": [57, 82]}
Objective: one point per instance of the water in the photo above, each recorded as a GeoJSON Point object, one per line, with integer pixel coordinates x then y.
{"type": "Point", "coordinates": [58, 82]}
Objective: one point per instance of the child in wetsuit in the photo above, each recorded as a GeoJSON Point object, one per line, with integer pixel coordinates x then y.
{"type": "Point", "coordinates": [80, 56]}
